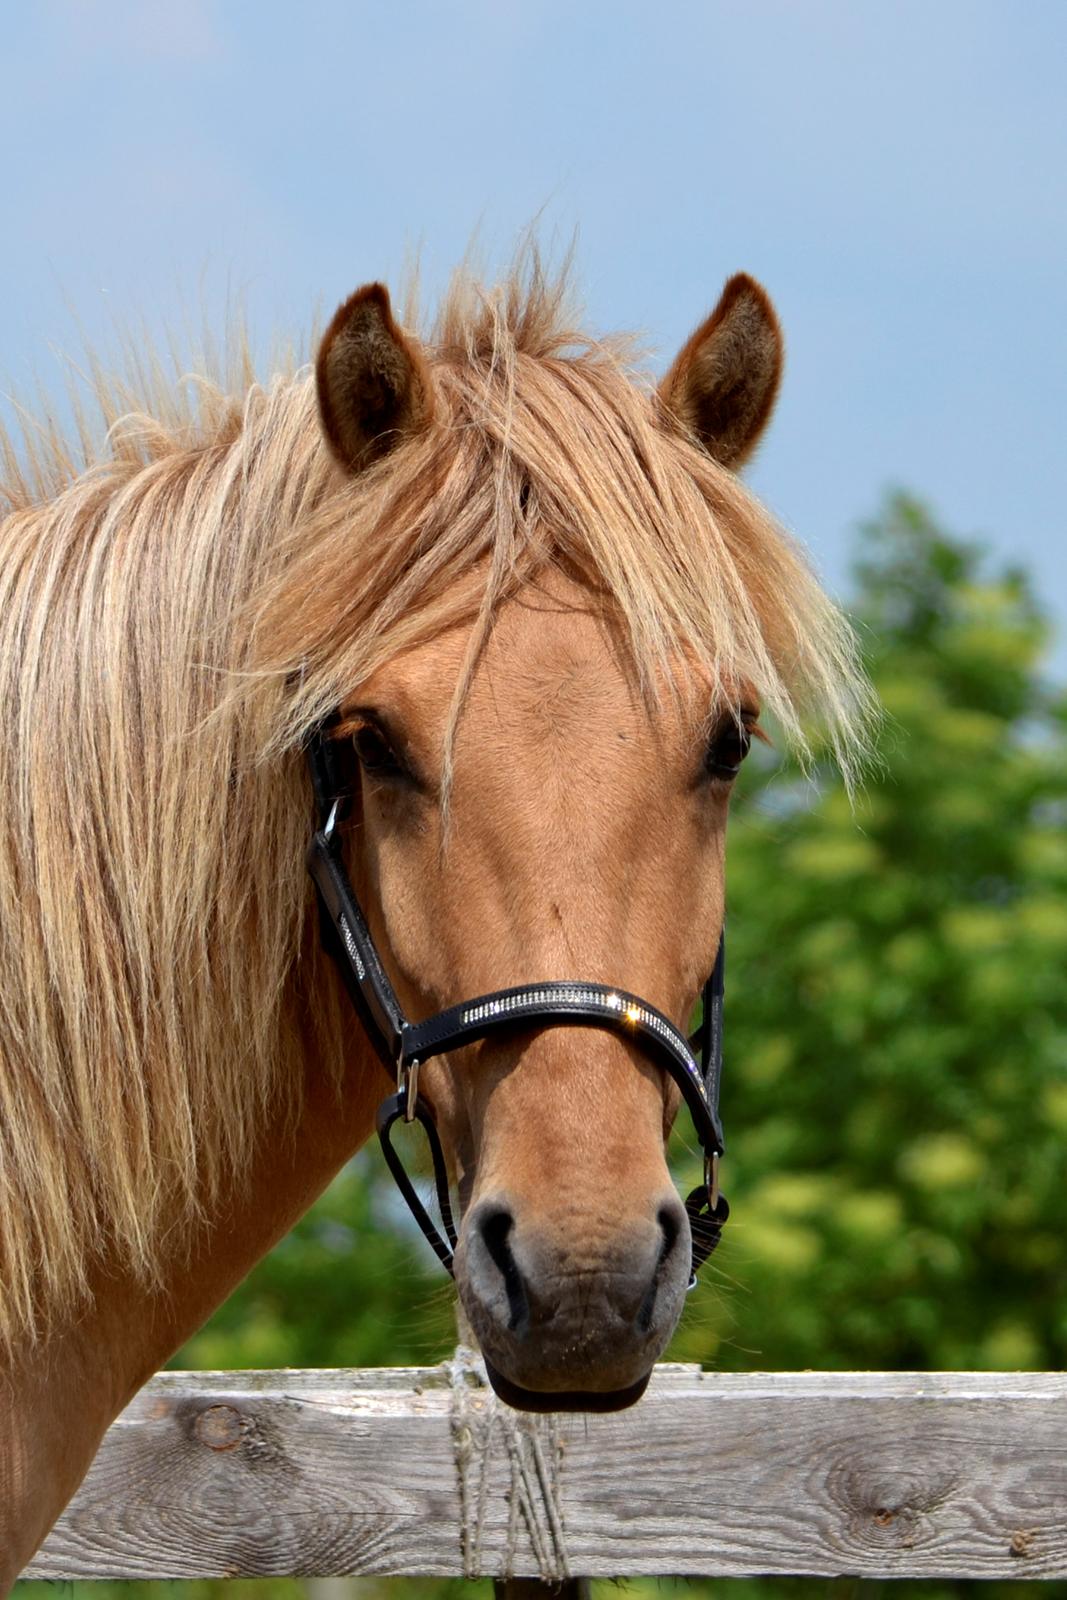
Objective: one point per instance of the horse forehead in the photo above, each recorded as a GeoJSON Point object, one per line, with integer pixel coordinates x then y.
{"type": "Point", "coordinates": [554, 667]}
{"type": "Point", "coordinates": [545, 662]}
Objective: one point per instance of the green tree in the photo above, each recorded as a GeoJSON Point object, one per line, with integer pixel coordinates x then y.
{"type": "Point", "coordinates": [896, 1087]}
{"type": "Point", "coordinates": [351, 1286]}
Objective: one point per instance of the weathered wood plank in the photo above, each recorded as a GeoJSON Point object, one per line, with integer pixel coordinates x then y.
{"type": "Point", "coordinates": [314, 1473]}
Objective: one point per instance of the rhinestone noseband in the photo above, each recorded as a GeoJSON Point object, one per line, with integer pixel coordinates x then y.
{"type": "Point", "coordinates": [694, 1064]}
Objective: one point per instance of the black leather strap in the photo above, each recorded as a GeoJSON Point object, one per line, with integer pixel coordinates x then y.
{"type": "Point", "coordinates": [355, 947]}
{"type": "Point", "coordinates": [390, 1112]}
{"type": "Point", "coordinates": [582, 1004]}
{"type": "Point", "coordinates": [400, 1042]}
{"type": "Point", "coordinates": [707, 1041]}
{"type": "Point", "coordinates": [706, 1222]}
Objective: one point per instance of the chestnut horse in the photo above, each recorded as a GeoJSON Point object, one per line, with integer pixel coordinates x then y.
{"type": "Point", "coordinates": [549, 615]}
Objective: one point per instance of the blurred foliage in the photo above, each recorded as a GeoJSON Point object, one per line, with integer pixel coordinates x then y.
{"type": "Point", "coordinates": [896, 1083]}
{"type": "Point", "coordinates": [352, 1285]}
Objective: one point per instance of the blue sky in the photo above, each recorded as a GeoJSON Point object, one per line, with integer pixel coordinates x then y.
{"type": "Point", "coordinates": [895, 174]}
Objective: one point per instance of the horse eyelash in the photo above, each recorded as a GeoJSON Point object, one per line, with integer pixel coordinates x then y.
{"type": "Point", "coordinates": [349, 727]}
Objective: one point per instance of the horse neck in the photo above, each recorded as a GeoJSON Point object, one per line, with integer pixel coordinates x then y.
{"type": "Point", "coordinates": [57, 1400]}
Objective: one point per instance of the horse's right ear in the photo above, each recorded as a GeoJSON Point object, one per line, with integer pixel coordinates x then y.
{"type": "Point", "coordinates": [373, 384]}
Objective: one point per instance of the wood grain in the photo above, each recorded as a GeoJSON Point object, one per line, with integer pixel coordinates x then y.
{"type": "Point", "coordinates": [960, 1475]}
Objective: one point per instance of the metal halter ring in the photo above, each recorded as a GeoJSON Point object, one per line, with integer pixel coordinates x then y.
{"type": "Point", "coordinates": [407, 1081]}
{"type": "Point", "coordinates": [711, 1177]}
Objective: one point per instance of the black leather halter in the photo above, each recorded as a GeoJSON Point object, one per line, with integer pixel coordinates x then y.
{"type": "Point", "coordinates": [403, 1045]}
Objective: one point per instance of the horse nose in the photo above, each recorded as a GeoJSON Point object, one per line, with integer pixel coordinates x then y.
{"type": "Point", "coordinates": [554, 1312]}
{"type": "Point", "coordinates": [493, 1270]}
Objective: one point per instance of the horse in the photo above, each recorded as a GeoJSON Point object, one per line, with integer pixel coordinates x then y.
{"type": "Point", "coordinates": [540, 616]}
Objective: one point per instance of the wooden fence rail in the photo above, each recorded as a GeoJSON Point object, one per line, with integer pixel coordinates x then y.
{"type": "Point", "coordinates": [892, 1475]}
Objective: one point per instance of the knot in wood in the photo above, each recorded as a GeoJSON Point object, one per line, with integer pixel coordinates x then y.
{"type": "Point", "coordinates": [889, 1504]}
{"type": "Point", "coordinates": [220, 1427]}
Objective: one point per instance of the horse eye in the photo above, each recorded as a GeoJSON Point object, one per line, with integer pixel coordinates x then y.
{"type": "Point", "coordinates": [729, 746]}
{"type": "Point", "coordinates": [376, 754]}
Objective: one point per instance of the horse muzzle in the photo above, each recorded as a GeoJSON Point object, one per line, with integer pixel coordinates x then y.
{"type": "Point", "coordinates": [564, 1325]}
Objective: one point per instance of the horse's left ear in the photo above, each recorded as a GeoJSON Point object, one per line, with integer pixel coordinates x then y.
{"type": "Point", "coordinates": [724, 380]}
{"type": "Point", "coordinates": [373, 383]}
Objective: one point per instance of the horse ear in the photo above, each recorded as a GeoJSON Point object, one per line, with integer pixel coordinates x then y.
{"type": "Point", "coordinates": [373, 384]}
{"type": "Point", "coordinates": [723, 383]}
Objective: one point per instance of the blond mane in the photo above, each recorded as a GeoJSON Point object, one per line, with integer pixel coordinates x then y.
{"type": "Point", "coordinates": [176, 616]}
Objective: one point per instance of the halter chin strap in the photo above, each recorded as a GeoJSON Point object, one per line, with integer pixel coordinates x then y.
{"type": "Point", "coordinates": [403, 1045]}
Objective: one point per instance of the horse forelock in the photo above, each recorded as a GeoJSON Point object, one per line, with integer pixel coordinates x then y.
{"type": "Point", "coordinates": [175, 620]}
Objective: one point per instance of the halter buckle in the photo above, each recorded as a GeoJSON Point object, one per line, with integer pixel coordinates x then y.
{"type": "Point", "coordinates": [711, 1177]}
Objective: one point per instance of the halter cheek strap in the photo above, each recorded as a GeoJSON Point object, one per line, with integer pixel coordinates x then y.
{"type": "Point", "coordinates": [403, 1045]}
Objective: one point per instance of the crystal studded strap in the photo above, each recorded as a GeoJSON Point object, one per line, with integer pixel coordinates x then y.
{"type": "Point", "coordinates": [581, 1004]}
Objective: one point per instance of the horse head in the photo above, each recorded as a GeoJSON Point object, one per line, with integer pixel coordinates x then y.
{"type": "Point", "coordinates": [539, 791]}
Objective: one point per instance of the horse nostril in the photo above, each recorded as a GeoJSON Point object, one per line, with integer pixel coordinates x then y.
{"type": "Point", "coordinates": [670, 1224]}
{"type": "Point", "coordinates": [670, 1217]}
{"type": "Point", "coordinates": [495, 1223]}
